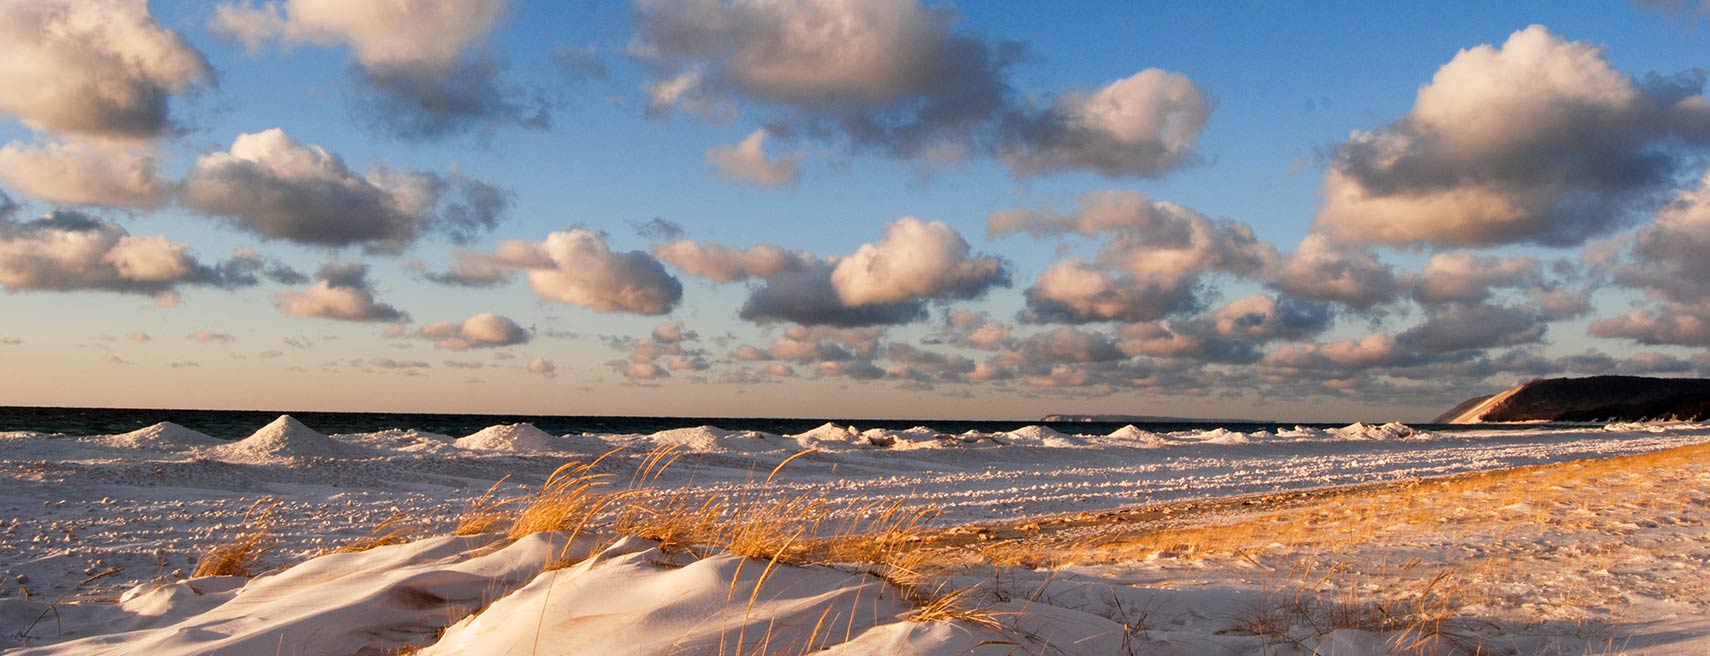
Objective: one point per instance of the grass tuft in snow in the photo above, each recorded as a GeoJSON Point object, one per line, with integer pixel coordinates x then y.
{"type": "Point", "coordinates": [236, 558]}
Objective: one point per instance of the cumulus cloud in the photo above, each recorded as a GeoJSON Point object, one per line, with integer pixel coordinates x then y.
{"type": "Point", "coordinates": [280, 188]}
{"type": "Point", "coordinates": [917, 259]}
{"type": "Point", "coordinates": [140, 337]}
{"type": "Point", "coordinates": [1197, 341]}
{"type": "Point", "coordinates": [898, 77]}
{"type": "Point", "coordinates": [924, 367]}
{"type": "Point", "coordinates": [68, 250]}
{"type": "Point", "coordinates": [890, 74]}
{"type": "Point", "coordinates": [1539, 140]}
{"type": "Point", "coordinates": [1469, 278]}
{"type": "Point", "coordinates": [1070, 344]}
{"type": "Point", "coordinates": [747, 162]}
{"type": "Point", "coordinates": [1142, 125]}
{"type": "Point", "coordinates": [814, 344]}
{"type": "Point", "coordinates": [1078, 291]}
{"type": "Point", "coordinates": [99, 68]}
{"type": "Point", "coordinates": [343, 292]}
{"type": "Point", "coordinates": [1666, 259]}
{"type": "Point", "coordinates": [579, 268]}
{"type": "Point", "coordinates": [1150, 266]}
{"type": "Point", "coordinates": [1374, 350]}
{"type": "Point", "coordinates": [889, 282]}
{"type": "Point", "coordinates": [483, 330]}
{"type": "Point", "coordinates": [975, 330]}
{"type": "Point", "coordinates": [84, 173]}
{"type": "Point", "coordinates": [724, 264]}
{"type": "Point", "coordinates": [1461, 326]}
{"type": "Point", "coordinates": [1320, 270]}
{"type": "Point", "coordinates": [544, 367]}
{"type": "Point", "coordinates": [1262, 317]}
{"type": "Point", "coordinates": [672, 332]}
{"type": "Point", "coordinates": [808, 296]}
{"type": "Point", "coordinates": [640, 370]}
{"type": "Point", "coordinates": [248, 268]}
{"type": "Point", "coordinates": [664, 351]}
{"type": "Point", "coordinates": [420, 70]}
{"type": "Point", "coordinates": [472, 270]}
{"type": "Point", "coordinates": [1682, 325]}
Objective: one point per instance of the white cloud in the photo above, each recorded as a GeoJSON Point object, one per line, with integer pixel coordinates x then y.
{"type": "Point", "coordinates": [1151, 265]}
{"type": "Point", "coordinates": [1539, 140]}
{"type": "Point", "coordinates": [890, 74]}
{"type": "Point", "coordinates": [723, 264]}
{"type": "Point", "coordinates": [889, 282]}
{"type": "Point", "coordinates": [67, 251]}
{"type": "Point", "coordinates": [543, 366]}
{"type": "Point", "coordinates": [280, 188]}
{"type": "Point", "coordinates": [917, 259]}
{"type": "Point", "coordinates": [976, 330]}
{"type": "Point", "coordinates": [378, 33]}
{"type": "Point", "coordinates": [342, 292]}
{"type": "Point", "coordinates": [747, 162]}
{"type": "Point", "coordinates": [421, 71]}
{"type": "Point", "coordinates": [1666, 260]}
{"type": "Point", "coordinates": [577, 267]}
{"type": "Point", "coordinates": [99, 68]}
{"type": "Point", "coordinates": [1321, 270]}
{"type": "Point", "coordinates": [81, 173]}
{"type": "Point", "coordinates": [482, 330]}
{"type": "Point", "coordinates": [1467, 277]}
{"type": "Point", "coordinates": [1262, 317]}
{"type": "Point", "coordinates": [672, 332]}
{"type": "Point", "coordinates": [1145, 125]}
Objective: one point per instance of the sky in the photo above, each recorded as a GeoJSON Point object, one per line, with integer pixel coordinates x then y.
{"type": "Point", "coordinates": [838, 208]}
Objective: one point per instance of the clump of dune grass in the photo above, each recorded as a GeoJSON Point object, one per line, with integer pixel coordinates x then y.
{"type": "Point", "coordinates": [486, 513]}
{"type": "Point", "coordinates": [237, 557]}
{"type": "Point", "coordinates": [397, 528]}
{"type": "Point", "coordinates": [944, 604]}
{"type": "Point", "coordinates": [572, 496]}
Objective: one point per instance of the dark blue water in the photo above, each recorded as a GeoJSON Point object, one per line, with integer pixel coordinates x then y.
{"type": "Point", "coordinates": [236, 424]}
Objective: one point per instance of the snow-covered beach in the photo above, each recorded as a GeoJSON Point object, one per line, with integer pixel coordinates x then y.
{"type": "Point", "coordinates": [135, 512]}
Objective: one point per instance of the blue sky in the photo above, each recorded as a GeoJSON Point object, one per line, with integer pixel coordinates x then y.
{"type": "Point", "coordinates": [1486, 261]}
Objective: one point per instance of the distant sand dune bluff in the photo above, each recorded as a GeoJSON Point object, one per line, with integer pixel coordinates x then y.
{"type": "Point", "coordinates": [1596, 398]}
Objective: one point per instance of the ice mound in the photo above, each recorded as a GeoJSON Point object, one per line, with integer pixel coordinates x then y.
{"type": "Point", "coordinates": [1363, 431]}
{"type": "Point", "coordinates": [826, 432]}
{"type": "Point", "coordinates": [1303, 433]}
{"type": "Point", "coordinates": [714, 439]}
{"type": "Point", "coordinates": [832, 436]}
{"type": "Point", "coordinates": [164, 436]}
{"type": "Point", "coordinates": [1040, 436]}
{"type": "Point", "coordinates": [509, 437]}
{"type": "Point", "coordinates": [283, 439]}
{"type": "Point", "coordinates": [1221, 435]}
{"type": "Point", "coordinates": [1130, 433]}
